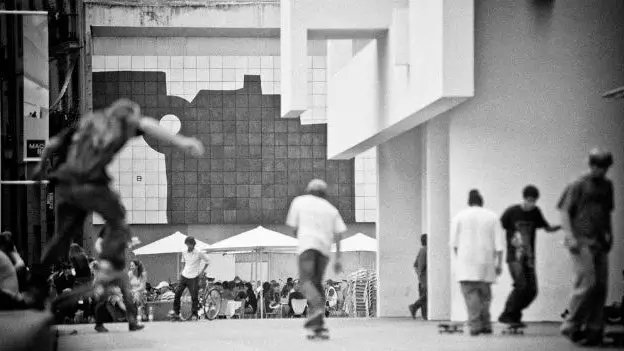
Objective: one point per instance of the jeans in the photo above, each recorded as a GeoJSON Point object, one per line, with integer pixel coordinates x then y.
{"type": "Point", "coordinates": [421, 302]}
{"type": "Point", "coordinates": [193, 287]}
{"type": "Point", "coordinates": [589, 293]}
{"type": "Point", "coordinates": [312, 265]}
{"type": "Point", "coordinates": [478, 296]}
{"type": "Point", "coordinates": [73, 203]}
{"type": "Point", "coordinates": [131, 310]}
{"type": "Point", "coordinates": [524, 290]}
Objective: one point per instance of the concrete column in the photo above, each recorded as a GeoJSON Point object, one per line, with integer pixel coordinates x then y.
{"type": "Point", "coordinates": [399, 224]}
{"type": "Point", "coordinates": [339, 53]}
{"type": "Point", "coordinates": [437, 216]}
{"type": "Point", "coordinates": [294, 61]}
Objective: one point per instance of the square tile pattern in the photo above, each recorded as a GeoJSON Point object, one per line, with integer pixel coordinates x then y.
{"type": "Point", "coordinates": [256, 162]}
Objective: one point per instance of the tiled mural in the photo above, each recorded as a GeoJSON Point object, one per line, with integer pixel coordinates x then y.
{"type": "Point", "coordinates": [152, 195]}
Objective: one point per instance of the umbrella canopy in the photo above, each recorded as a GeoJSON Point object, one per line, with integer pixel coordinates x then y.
{"type": "Point", "coordinates": [257, 239]}
{"type": "Point", "coordinates": [173, 243]}
{"type": "Point", "coordinates": [357, 242]}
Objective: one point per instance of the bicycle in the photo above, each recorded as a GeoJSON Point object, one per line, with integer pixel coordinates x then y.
{"type": "Point", "coordinates": [209, 301]}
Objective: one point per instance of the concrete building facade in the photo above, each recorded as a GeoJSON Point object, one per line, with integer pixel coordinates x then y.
{"type": "Point", "coordinates": [447, 96]}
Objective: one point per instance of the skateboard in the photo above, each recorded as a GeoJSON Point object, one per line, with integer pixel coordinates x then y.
{"type": "Point", "coordinates": [450, 328]}
{"type": "Point", "coordinates": [318, 334]}
{"type": "Point", "coordinates": [514, 329]}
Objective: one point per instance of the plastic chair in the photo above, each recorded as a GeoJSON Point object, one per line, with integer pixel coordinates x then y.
{"type": "Point", "coordinates": [299, 306]}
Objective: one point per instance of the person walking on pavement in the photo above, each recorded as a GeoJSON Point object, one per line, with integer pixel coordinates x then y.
{"type": "Point", "coordinates": [521, 223]}
{"type": "Point", "coordinates": [316, 223]}
{"type": "Point", "coordinates": [420, 265]}
{"type": "Point", "coordinates": [477, 246]}
{"type": "Point", "coordinates": [189, 278]}
{"type": "Point", "coordinates": [586, 207]}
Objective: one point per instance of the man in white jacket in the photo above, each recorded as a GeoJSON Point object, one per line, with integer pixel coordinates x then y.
{"type": "Point", "coordinates": [477, 246]}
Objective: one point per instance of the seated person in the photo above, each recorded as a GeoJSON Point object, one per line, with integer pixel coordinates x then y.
{"type": "Point", "coordinates": [251, 302]}
{"type": "Point", "coordinates": [295, 294]}
{"type": "Point", "coordinates": [138, 279]}
{"type": "Point", "coordinates": [331, 300]}
{"type": "Point", "coordinates": [227, 293]}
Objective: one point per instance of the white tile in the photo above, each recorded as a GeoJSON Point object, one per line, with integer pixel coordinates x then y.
{"type": "Point", "coordinates": [253, 71]}
{"type": "Point", "coordinates": [98, 62]}
{"type": "Point", "coordinates": [319, 75]}
{"type": "Point", "coordinates": [162, 217]}
{"type": "Point", "coordinates": [203, 75]}
{"type": "Point", "coordinates": [138, 216]}
{"type": "Point", "coordinates": [125, 191]}
{"type": "Point", "coordinates": [359, 216]}
{"type": "Point", "coordinates": [229, 75]}
{"type": "Point", "coordinates": [319, 88]}
{"type": "Point", "coordinates": [138, 192]}
{"type": "Point", "coordinates": [151, 217]}
{"type": "Point", "coordinates": [267, 88]}
{"type": "Point", "coordinates": [266, 62]}
{"type": "Point", "coordinates": [138, 204]}
{"type": "Point", "coordinates": [138, 154]}
{"type": "Point", "coordinates": [310, 63]}
{"type": "Point", "coordinates": [370, 189]}
{"type": "Point", "coordinates": [125, 62]}
{"type": "Point", "coordinates": [177, 88]}
{"type": "Point", "coordinates": [253, 61]}
{"type": "Point", "coordinates": [151, 203]}
{"type": "Point", "coordinates": [277, 62]}
{"type": "Point", "coordinates": [310, 100]}
{"type": "Point", "coordinates": [240, 74]}
{"type": "Point", "coordinates": [151, 191]}
{"type": "Point", "coordinates": [190, 75]}
{"type": "Point", "coordinates": [151, 177]}
{"type": "Point", "coordinates": [125, 178]}
{"type": "Point", "coordinates": [241, 62]}
{"type": "Point", "coordinates": [112, 63]}
{"type": "Point", "coordinates": [177, 75]}
{"type": "Point", "coordinates": [162, 202]}
{"type": "Point", "coordinates": [216, 75]}
{"type": "Point", "coordinates": [229, 61]}
{"type": "Point", "coordinates": [318, 62]}
{"type": "Point", "coordinates": [216, 85]}
{"type": "Point", "coordinates": [203, 86]}
{"type": "Point", "coordinates": [319, 100]}
{"type": "Point", "coordinates": [177, 62]}
{"type": "Point", "coordinates": [125, 165]}
{"type": "Point", "coordinates": [359, 203]}
{"type": "Point", "coordinates": [203, 62]}
{"type": "Point", "coordinates": [151, 62]}
{"type": "Point", "coordinates": [216, 62]}
{"type": "Point", "coordinates": [164, 62]}
{"type": "Point", "coordinates": [138, 62]}
{"type": "Point", "coordinates": [370, 215]}
{"type": "Point", "coordinates": [229, 85]}
{"type": "Point", "coordinates": [190, 61]}
{"type": "Point", "coordinates": [162, 180]}
{"type": "Point", "coordinates": [150, 154]}
{"type": "Point", "coordinates": [310, 75]}
{"type": "Point", "coordinates": [277, 88]}
{"type": "Point", "coordinates": [266, 74]}
{"type": "Point", "coordinates": [190, 88]}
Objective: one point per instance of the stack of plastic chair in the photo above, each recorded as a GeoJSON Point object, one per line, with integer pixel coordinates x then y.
{"type": "Point", "coordinates": [359, 293]}
{"type": "Point", "coordinates": [372, 294]}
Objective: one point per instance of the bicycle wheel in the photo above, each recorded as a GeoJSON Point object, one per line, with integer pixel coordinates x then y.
{"type": "Point", "coordinates": [212, 304]}
{"type": "Point", "coordinates": [186, 305]}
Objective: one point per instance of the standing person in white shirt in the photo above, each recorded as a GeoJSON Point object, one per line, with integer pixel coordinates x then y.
{"type": "Point", "coordinates": [193, 259]}
{"type": "Point", "coordinates": [477, 245]}
{"type": "Point", "coordinates": [317, 223]}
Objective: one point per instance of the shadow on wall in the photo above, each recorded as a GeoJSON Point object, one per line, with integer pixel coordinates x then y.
{"type": "Point", "coordinates": [255, 163]}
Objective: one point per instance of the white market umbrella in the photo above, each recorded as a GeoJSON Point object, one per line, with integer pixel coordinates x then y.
{"type": "Point", "coordinates": [173, 243]}
{"type": "Point", "coordinates": [256, 240]}
{"type": "Point", "coordinates": [357, 242]}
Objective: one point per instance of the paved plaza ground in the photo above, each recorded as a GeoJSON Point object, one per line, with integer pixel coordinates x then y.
{"type": "Point", "coordinates": [287, 334]}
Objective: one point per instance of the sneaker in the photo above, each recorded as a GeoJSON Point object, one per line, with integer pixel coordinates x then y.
{"type": "Point", "coordinates": [412, 310]}
{"type": "Point", "coordinates": [573, 334]}
{"type": "Point", "coordinates": [135, 327]}
{"type": "Point", "coordinates": [506, 320]}
{"type": "Point", "coordinates": [100, 328]}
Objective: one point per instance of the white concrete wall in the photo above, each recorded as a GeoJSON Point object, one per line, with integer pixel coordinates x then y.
{"type": "Point", "coordinates": [536, 114]}
{"type": "Point", "coordinates": [399, 224]}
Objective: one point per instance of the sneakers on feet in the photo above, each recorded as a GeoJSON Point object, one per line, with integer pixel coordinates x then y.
{"type": "Point", "coordinates": [412, 310]}
{"type": "Point", "coordinates": [100, 328]}
{"type": "Point", "coordinates": [135, 327]}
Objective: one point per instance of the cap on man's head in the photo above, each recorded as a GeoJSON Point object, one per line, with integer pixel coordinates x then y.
{"type": "Point", "coordinates": [600, 158]}
{"type": "Point", "coordinates": [317, 185]}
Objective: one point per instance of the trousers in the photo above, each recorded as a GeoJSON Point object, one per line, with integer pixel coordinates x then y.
{"type": "Point", "coordinates": [312, 266]}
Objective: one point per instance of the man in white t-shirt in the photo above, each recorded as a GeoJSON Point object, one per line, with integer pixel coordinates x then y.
{"type": "Point", "coordinates": [477, 245]}
{"type": "Point", "coordinates": [317, 224]}
{"type": "Point", "coordinates": [193, 260]}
